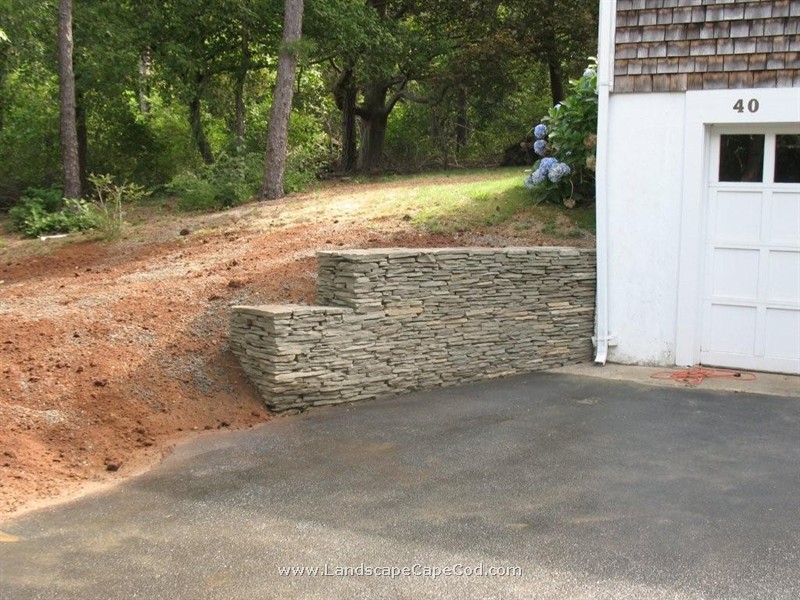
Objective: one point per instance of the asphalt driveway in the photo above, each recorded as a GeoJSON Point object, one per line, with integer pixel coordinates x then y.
{"type": "Point", "coordinates": [590, 488]}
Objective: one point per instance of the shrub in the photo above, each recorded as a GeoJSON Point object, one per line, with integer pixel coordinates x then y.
{"type": "Point", "coordinates": [234, 180]}
{"type": "Point", "coordinates": [109, 198]}
{"type": "Point", "coordinates": [29, 150]}
{"type": "Point", "coordinates": [231, 180]}
{"type": "Point", "coordinates": [566, 140]}
{"type": "Point", "coordinates": [303, 164]}
{"type": "Point", "coordinates": [51, 199]}
{"type": "Point", "coordinates": [193, 192]}
{"type": "Point", "coordinates": [42, 212]}
{"type": "Point", "coordinates": [309, 152]}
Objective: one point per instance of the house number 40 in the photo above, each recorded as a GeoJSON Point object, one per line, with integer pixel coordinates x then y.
{"type": "Point", "coordinates": [752, 105]}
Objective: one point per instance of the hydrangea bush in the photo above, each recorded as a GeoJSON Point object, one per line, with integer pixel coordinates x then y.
{"type": "Point", "coordinates": [566, 140]}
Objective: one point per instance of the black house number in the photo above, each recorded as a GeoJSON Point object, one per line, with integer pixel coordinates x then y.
{"type": "Point", "coordinates": [752, 105]}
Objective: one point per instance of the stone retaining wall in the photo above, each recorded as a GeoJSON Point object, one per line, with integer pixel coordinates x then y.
{"type": "Point", "coordinates": [392, 321]}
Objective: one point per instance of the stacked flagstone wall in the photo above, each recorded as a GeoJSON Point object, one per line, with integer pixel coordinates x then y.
{"type": "Point", "coordinates": [393, 321]}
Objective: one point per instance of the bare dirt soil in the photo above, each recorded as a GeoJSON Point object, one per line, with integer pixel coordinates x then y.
{"type": "Point", "coordinates": [112, 351]}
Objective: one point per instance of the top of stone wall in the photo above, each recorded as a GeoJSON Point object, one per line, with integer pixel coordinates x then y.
{"type": "Point", "coordinates": [287, 310]}
{"type": "Point", "coordinates": [371, 253]}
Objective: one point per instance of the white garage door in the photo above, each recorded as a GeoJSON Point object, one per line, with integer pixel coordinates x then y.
{"type": "Point", "coordinates": [751, 300]}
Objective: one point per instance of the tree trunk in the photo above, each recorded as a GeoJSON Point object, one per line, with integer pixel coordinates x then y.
{"type": "Point", "coordinates": [440, 132]}
{"type": "Point", "coordinates": [349, 145]}
{"type": "Point", "coordinates": [346, 96]}
{"type": "Point", "coordinates": [66, 76]}
{"type": "Point", "coordinates": [374, 117]}
{"type": "Point", "coordinates": [196, 123]}
{"type": "Point", "coordinates": [374, 114]}
{"type": "Point", "coordinates": [83, 137]}
{"type": "Point", "coordinates": [4, 48]}
{"type": "Point", "coordinates": [556, 77]}
{"type": "Point", "coordinates": [145, 66]}
{"type": "Point", "coordinates": [241, 77]}
{"type": "Point", "coordinates": [278, 133]}
{"type": "Point", "coordinates": [238, 125]}
{"type": "Point", "coordinates": [462, 121]}
{"type": "Point", "coordinates": [373, 137]}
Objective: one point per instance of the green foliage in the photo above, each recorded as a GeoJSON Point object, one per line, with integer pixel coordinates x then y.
{"type": "Point", "coordinates": [194, 192]}
{"type": "Point", "coordinates": [236, 178]}
{"type": "Point", "coordinates": [409, 144]}
{"type": "Point", "coordinates": [50, 199]}
{"type": "Point", "coordinates": [109, 199]}
{"type": "Point", "coordinates": [423, 136]}
{"type": "Point", "coordinates": [573, 124]}
{"type": "Point", "coordinates": [141, 65]}
{"type": "Point", "coordinates": [309, 151]}
{"type": "Point", "coordinates": [165, 145]}
{"type": "Point", "coordinates": [42, 212]}
{"type": "Point", "coordinates": [303, 164]}
{"type": "Point", "coordinates": [29, 147]}
{"type": "Point", "coordinates": [566, 171]}
{"type": "Point", "coordinates": [231, 180]}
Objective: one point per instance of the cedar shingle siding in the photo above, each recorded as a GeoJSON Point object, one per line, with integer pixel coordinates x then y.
{"type": "Point", "coordinates": [680, 45]}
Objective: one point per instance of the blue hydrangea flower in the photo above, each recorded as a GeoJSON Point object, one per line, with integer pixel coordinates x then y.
{"type": "Point", "coordinates": [529, 181]}
{"type": "Point", "coordinates": [538, 176]}
{"type": "Point", "coordinates": [547, 163]}
{"type": "Point", "coordinates": [540, 147]}
{"type": "Point", "coordinates": [589, 72]}
{"type": "Point", "coordinates": [540, 131]}
{"type": "Point", "coordinates": [558, 171]}
{"type": "Point", "coordinates": [535, 178]}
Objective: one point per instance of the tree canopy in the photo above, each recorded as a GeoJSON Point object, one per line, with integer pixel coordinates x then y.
{"type": "Point", "coordinates": [170, 90]}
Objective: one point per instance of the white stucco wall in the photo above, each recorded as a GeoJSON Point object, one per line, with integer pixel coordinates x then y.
{"type": "Point", "coordinates": [645, 186]}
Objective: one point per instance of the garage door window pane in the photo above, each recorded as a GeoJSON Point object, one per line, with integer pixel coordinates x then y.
{"type": "Point", "coordinates": [741, 158]}
{"type": "Point", "coordinates": [787, 159]}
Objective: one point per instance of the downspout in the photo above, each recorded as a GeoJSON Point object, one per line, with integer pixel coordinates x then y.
{"type": "Point", "coordinates": [605, 75]}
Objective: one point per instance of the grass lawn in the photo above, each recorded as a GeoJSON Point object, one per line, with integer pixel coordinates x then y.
{"type": "Point", "coordinates": [482, 201]}
{"type": "Point", "coordinates": [444, 202]}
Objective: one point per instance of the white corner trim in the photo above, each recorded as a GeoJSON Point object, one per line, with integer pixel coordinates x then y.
{"type": "Point", "coordinates": [605, 47]}
{"type": "Point", "coordinates": [605, 78]}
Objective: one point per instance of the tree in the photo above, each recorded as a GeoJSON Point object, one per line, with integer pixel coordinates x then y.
{"type": "Point", "coordinates": [467, 88]}
{"type": "Point", "coordinates": [278, 136]}
{"type": "Point", "coordinates": [348, 37]}
{"type": "Point", "coordinates": [405, 56]}
{"type": "Point", "coordinates": [161, 85]}
{"type": "Point", "coordinates": [393, 51]}
{"type": "Point", "coordinates": [554, 34]}
{"type": "Point", "coordinates": [4, 47]}
{"type": "Point", "coordinates": [195, 42]}
{"type": "Point", "coordinates": [69, 130]}
{"type": "Point", "coordinates": [377, 47]}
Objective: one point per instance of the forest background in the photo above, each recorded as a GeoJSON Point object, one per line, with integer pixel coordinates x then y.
{"type": "Point", "coordinates": [175, 95]}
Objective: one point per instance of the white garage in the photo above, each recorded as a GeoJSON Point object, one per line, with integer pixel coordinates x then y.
{"type": "Point", "coordinates": [698, 185]}
{"type": "Point", "coordinates": [751, 294]}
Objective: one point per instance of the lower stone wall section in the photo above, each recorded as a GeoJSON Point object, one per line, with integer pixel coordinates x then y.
{"type": "Point", "coordinates": [394, 321]}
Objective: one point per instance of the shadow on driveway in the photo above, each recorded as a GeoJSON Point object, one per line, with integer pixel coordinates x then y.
{"type": "Point", "coordinates": [593, 488]}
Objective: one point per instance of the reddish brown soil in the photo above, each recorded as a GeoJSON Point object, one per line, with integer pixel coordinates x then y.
{"type": "Point", "coordinates": [112, 351]}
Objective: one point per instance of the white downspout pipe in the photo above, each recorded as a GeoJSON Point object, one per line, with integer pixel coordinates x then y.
{"type": "Point", "coordinates": [605, 79]}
